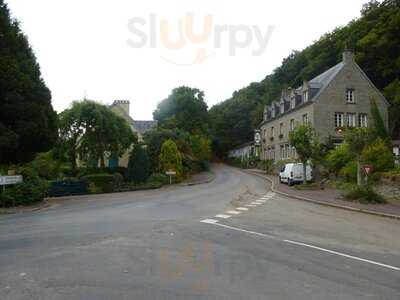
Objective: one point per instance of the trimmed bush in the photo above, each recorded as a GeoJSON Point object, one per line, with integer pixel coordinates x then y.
{"type": "Point", "coordinates": [363, 194]}
{"type": "Point", "coordinates": [158, 178]}
{"type": "Point", "coordinates": [379, 155]}
{"type": "Point", "coordinates": [103, 183]}
{"type": "Point", "coordinates": [171, 158]}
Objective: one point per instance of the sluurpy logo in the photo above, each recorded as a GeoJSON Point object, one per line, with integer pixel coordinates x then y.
{"type": "Point", "coordinates": [179, 44]}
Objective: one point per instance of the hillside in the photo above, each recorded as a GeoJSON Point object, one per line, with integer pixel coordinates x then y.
{"type": "Point", "coordinates": [374, 37]}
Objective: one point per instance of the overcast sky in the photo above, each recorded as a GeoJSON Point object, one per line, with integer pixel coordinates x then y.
{"type": "Point", "coordinates": [120, 49]}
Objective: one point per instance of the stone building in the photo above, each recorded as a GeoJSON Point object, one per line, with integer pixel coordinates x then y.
{"type": "Point", "coordinates": [243, 152]}
{"type": "Point", "coordinates": [122, 109]}
{"type": "Point", "coordinates": [338, 98]}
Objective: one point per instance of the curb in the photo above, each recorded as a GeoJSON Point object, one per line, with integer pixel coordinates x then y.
{"type": "Point", "coordinates": [45, 205]}
{"type": "Point", "coordinates": [354, 209]}
{"type": "Point", "coordinates": [201, 182]}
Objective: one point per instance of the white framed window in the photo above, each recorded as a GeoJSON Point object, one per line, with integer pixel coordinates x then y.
{"type": "Point", "coordinates": [339, 120]}
{"type": "Point", "coordinates": [282, 107]}
{"type": "Point", "coordinates": [350, 96]}
{"type": "Point", "coordinates": [282, 152]}
{"type": "Point", "coordinates": [281, 128]}
{"type": "Point", "coordinates": [363, 120]}
{"type": "Point", "coordinates": [293, 102]}
{"type": "Point", "coordinates": [272, 131]}
{"type": "Point", "coordinates": [351, 120]}
{"type": "Point", "coordinates": [273, 111]}
{"type": "Point", "coordinates": [305, 119]}
{"type": "Point", "coordinates": [305, 96]}
{"type": "Point", "coordinates": [291, 124]}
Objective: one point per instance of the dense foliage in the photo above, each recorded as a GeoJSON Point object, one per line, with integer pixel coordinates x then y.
{"type": "Point", "coordinates": [185, 109]}
{"type": "Point", "coordinates": [139, 165]}
{"type": "Point", "coordinates": [374, 37]}
{"type": "Point", "coordinates": [171, 159]}
{"type": "Point", "coordinates": [28, 123]}
{"type": "Point", "coordinates": [89, 130]}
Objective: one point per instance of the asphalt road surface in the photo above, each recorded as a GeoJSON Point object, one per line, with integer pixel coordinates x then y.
{"type": "Point", "coordinates": [229, 239]}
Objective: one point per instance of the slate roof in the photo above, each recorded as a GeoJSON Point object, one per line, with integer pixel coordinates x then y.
{"type": "Point", "coordinates": [144, 126]}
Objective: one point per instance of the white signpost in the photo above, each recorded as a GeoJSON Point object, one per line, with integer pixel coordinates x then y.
{"type": "Point", "coordinates": [8, 180]}
{"type": "Point", "coordinates": [170, 173]}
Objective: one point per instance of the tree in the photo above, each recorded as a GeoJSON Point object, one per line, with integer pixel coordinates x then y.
{"type": "Point", "coordinates": [170, 158]}
{"type": "Point", "coordinates": [305, 140]}
{"type": "Point", "coordinates": [139, 165]}
{"type": "Point", "coordinates": [357, 139]}
{"type": "Point", "coordinates": [92, 131]}
{"type": "Point", "coordinates": [185, 109]}
{"type": "Point", "coordinates": [379, 127]}
{"type": "Point", "coordinates": [28, 123]}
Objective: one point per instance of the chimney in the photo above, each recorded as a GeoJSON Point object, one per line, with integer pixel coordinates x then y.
{"type": "Point", "coordinates": [348, 56]}
{"type": "Point", "coordinates": [123, 104]}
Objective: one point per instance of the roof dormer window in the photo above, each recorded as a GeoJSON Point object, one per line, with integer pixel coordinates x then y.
{"type": "Point", "coordinates": [273, 110]}
{"type": "Point", "coordinates": [282, 107]}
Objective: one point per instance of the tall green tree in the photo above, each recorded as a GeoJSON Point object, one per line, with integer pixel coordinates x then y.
{"type": "Point", "coordinates": [185, 109]}
{"type": "Point", "coordinates": [92, 131]}
{"type": "Point", "coordinates": [28, 123]}
{"type": "Point", "coordinates": [139, 165]}
{"type": "Point", "coordinates": [308, 147]}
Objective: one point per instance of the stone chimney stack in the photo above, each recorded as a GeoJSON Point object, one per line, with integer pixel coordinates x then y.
{"type": "Point", "coordinates": [124, 104]}
{"type": "Point", "coordinates": [348, 56]}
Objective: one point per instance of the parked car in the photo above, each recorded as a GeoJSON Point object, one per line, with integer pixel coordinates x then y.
{"type": "Point", "coordinates": [293, 173]}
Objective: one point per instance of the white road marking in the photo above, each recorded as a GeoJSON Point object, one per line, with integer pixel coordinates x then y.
{"type": "Point", "coordinates": [250, 205]}
{"type": "Point", "coordinates": [209, 221]}
{"type": "Point", "coordinates": [308, 246]}
{"type": "Point", "coordinates": [255, 203]}
{"type": "Point", "coordinates": [223, 216]}
{"type": "Point", "coordinates": [233, 212]}
{"type": "Point", "coordinates": [242, 208]}
{"type": "Point", "coordinates": [261, 201]}
{"type": "Point", "coordinates": [343, 254]}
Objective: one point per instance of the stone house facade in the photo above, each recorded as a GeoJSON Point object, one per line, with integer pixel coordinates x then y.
{"type": "Point", "coordinates": [243, 152]}
{"type": "Point", "coordinates": [338, 98]}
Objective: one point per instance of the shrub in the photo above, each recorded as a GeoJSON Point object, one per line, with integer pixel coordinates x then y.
{"type": "Point", "coordinates": [33, 189]}
{"type": "Point", "coordinates": [159, 178]}
{"type": "Point", "coordinates": [363, 193]}
{"type": "Point", "coordinates": [103, 183]}
{"type": "Point", "coordinates": [379, 156]}
{"type": "Point", "coordinates": [139, 165]}
{"type": "Point", "coordinates": [171, 158]}
{"type": "Point", "coordinates": [46, 166]}
{"type": "Point", "coordinates": [338, 158]}
{"type": "Point", "coordinates": [349, 172]}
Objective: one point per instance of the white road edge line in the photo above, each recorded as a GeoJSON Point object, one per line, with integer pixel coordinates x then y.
{"type": "Point", "coordinates": [305, 245]}
{"type": "Point", "coordinates": [209, 221]}
{"type": "Point", "coordinates": [242, 208]}
{"type": "Point", "coordinates": [343, 254]}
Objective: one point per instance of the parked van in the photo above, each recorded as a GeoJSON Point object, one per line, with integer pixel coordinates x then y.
{"type": "Point", "coordinates": [293, 173]}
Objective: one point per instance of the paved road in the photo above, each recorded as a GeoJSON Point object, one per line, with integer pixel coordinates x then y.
{"type": "Point", "coordinates": [153, 245]}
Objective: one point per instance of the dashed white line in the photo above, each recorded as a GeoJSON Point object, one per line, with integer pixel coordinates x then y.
{"type": "Point", "coordinates": [251, 205]}
{"type": "Point", "coordinates": [233, 212]}
{"type": "Point", "coordinates": [209, 221]}
{"type": "Point", "coordinates": [242, 208]}
{"type": "Point", "coordinates": [223, 216]}
{"type": "Point", "coordinates": [255, 203]}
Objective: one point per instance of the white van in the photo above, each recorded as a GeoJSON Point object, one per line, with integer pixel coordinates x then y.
{"type": "Point", "coordinates": [293, 173]}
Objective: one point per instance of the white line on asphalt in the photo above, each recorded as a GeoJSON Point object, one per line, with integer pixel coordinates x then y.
{"type": "Point", "coordinates": [308, 246]}
{"type": "Point", "coordinates": [242, 208]}
{"type": "Point", "coordinates": [343, 254]}
{"type": "Point", "coordinates": [250, 205]}
{"type": "Point", "coordinates": [233, 212]}
{"type": "Point", "coordinates": [255, 203]}
{"type": "Point", "coordinates": [223, 216]}
{"type": "Point", "coordinates": [209, 221]}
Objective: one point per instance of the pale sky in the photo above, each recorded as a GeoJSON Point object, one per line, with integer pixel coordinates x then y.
{"type": "Point", "coordinates": [84, 47]}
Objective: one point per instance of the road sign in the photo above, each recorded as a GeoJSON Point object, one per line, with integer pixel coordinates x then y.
{"type": "Point", "coordinates": [170, 173]}
{"type": "Point", "coordinates": [8, 180]}
{"type": "Point", "coordinates": [368, 169]}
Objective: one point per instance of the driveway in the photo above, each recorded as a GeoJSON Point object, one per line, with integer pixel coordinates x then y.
{"type": "Point", "coordinates": [228, 239]}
